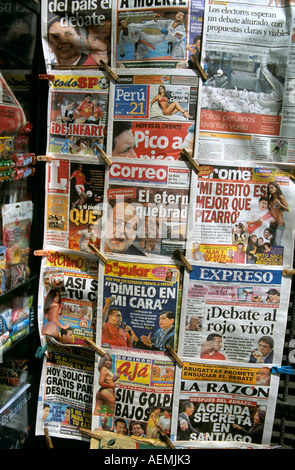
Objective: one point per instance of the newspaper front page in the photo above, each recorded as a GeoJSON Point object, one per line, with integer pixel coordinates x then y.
{"type": "Point", "coordinates": [242, 215]}
{"type": "Point", "coordinates": [155, 33]}
{"type": "Point", "coordinates": [132, 394]}
{"type": "Point", "coordinates": [139, 305]}
{"type": "Point", "coordinates": [228, 403]}
{"type": "Point", "coordinates": [77, 114]}
{"type": "Point", "coordinates": [76, 34]}
{"type": "Point", "coordinates": [246, 104]}
{"type": "Point", "coordinates": [74, 204]}
{"type": "Point", "coordinates": [152, 115]}
{"type": "Point", "coordinates": [147, 208]}
{"type": "Point", "coordinates": [65, 392]}
{"type": "Point", "coordinates": [234, 313]}
{"type": "Point", "coordinates": [67, 298]}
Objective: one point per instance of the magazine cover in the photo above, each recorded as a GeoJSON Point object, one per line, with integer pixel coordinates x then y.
{"type": "Point", "coordinates": [152, 116]}
{"type": "Point", "coordinates": [156, 34]}
{"type": "Point", "coordinates": [74, 204]}
{"type": "Point", "coordinates": [77, 114]}
{"type": "Point", "coordinates": [76, 34]}
{"type": "Point", "coordinates": [139, 305]}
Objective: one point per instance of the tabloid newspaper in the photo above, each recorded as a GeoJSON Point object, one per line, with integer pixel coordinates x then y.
{"type": "Point", "coordinates": [73, 204]}
{"type": "Point", "coordinates": [77, 114]}
{"type": "Point", "coordinates": [246, 106]}
{"type": "Point", "coordinates": [132, 394]}
{"type": "Point", "coordinates": [65, 392]}
{"type": "Point", "coordinates": [152, 115]}
{"type": "Point", "coordinates": [76, 34]}
{"type": "Point", "coordinates": [234, 313]}
{"type": "Point", "coordinates": [147, 208]}
{"type": "Point", "coordinates": [229, 403]}
{"type": "Point", "coordinates": [139, 305]}
{"type": "Point", "coordinates": [242, 215]}
{"type": "Point", "coordinates": [155, 33]}
{"type": "Point", "coordinates": [67, 298]}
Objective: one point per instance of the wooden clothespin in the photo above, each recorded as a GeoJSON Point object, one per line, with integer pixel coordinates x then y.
{"type": "Point", "coordinates": [165, 437]}
{"type": "Point", "coordinates": [109, 70]}
{"type": "Point", "coordinates": [179, 255]}
{"type": "Point", "coordinates": [288, 272]}
{"type": "Point", "coordinates": [201, 71]}
{"type": "Point", "coordinates": [174, 355]}
{"type": "Point", "coordinates": [97, 252]}
{"type": "Point", "coordinates": [41, 253]}
{"type": "Point", "coordinates": [46, 76]}
{"type": "Point", "coordinates": [48, 439]}
{"type": "Point", "coordinates": [91, 434]}
{"type": "Point", "coordinates": [44, 158]}
{"type": "Point", "coordinates": [184, 153]}
{"type": "Point", "coordinates": [94, 346]}
{"type": "Point", "coordinates": [104, 156]}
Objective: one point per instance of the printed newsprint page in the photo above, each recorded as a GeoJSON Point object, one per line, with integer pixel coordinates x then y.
{"type": "Point", "coordinates": [224, 403]}
{"type": "Point", "coordinates": [76, 34]}
{"type": "Point", "coordinates": [246, 105]}
{"type": "Point", "coordinates": [242, 215]}
{"type": "Point", "coordinates": [65, 392]}
{"type": "Point", "coordinates": [147, 208]}
{"type": "Point", "coordinates": [131, 394]}
{"type": "Point", "coordinates": [234, 313]}
{"type": "Point", "coordinates": [152, 114]}
{"type": "Point", "coordinates": [77, 114]}
{"type": "Point", "coordinates": [67, 299]}
{"type": "Point", "coordinates": [139, 305]}
{"type": "Point", "coordinates": [73, 204]}
{"type": "Point", "coordinates": [155, 33]}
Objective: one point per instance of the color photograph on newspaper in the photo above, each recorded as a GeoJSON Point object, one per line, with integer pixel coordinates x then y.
{"type": "Point", "coordinates": [242, 215]}
{"type": "Point", "coordinates": [76, 34]}
{"type": "Point", "coordinates": [152, 115]}
{"type": "Point", "coordinates": [246, 102]}
{"type": "Point", "coordinates": [67, 298]}
{"type": "Point", "coordinates": [77, 114]}
{"type": "Point", "coordinates": [139, 305]}
{"type": "Point", "coordinates": [74, 198]}
{"type": "Point", "coordinates": [234, 313]}
{"type": "Point", "coordinates": [155, 34]}
{"type": "Point", "coordinates": [147, 208]}
{"type": "Point", "coordinates": [224, 403]}
{"type": "Point", "coordinates": [132, 394]}
{"type": "Point", "coordinates": [65, 393]}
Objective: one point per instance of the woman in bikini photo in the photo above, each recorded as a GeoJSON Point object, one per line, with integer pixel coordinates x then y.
{"type": "Point", "coordinates": [168, 108]}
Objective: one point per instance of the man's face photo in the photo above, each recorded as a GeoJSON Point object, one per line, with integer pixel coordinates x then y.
{"type": "Point", "coordinates": [121, 228]}
{"type": "Point", "coordinates": [98, 42]}
{"type": "Point", "coordinates": [65, 43]}
{"type": "Point", "coordinates": [125, 145]}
